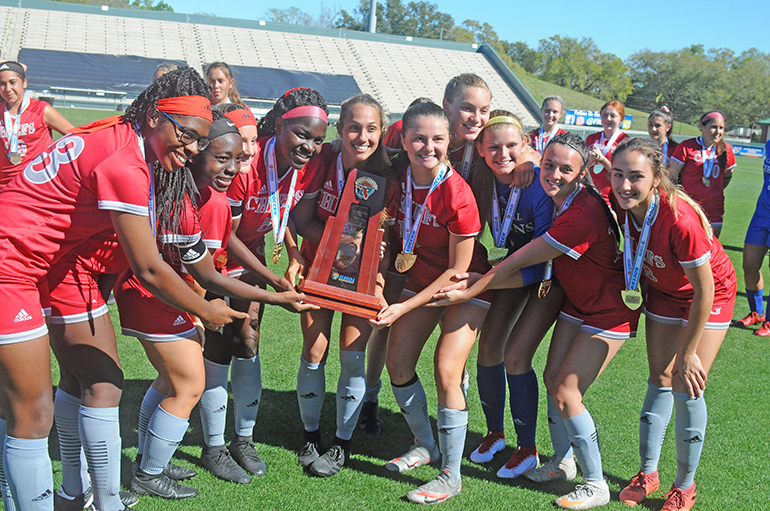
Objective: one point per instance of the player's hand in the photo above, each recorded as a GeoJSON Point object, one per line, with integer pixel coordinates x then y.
{"type": "Point", "coordinates": [524, 175]}
{"type": "Point", "coordinates": [691, 372]}
{"type": "Point", "coordinates": [383, 247]}
{"type": "Point", "coordinates": [218, 314]}
{"type": "Point", "coordinates": [457, 292]}
{"type": "Point", "coordinates": [280, 284]}
{"type": "Point", "coordinates": [294, 302]}
{"type": "Point", "coordinates": [388, 315]}
{"type": "Point", "coordinates": [296, 267]}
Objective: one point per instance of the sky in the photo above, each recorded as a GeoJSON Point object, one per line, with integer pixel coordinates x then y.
{"type": "Point", "coordinates": [619, 27]}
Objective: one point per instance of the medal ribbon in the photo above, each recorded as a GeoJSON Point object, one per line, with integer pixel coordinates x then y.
{"type": "Point", "coordinates": [543, 141]}
{"type": "Point", "coordinates": [275, 195]}
{"type": "Point", "coordinates": [12, 128]}
{"type": "Point", "coordinates": [150, 168]}
{"type": "Point", "coordinates": [501, 233]}
{"type": "Point", "coordinates": [633, 264]}
{"type": "Point", "coordinates": [340, 176]}
{"type": "Point", "coordinates": [556, 213]}
{"type": "Point", "coordinates": [467, 158]}
{"type": "Point", "coordinates": [665, 152]}
{"type": "Point", "coordinates": [709, 157]}
{"type": "Point", "coordinates": [412, 229]}
{"type": "Point", "coordinates": [606, 147]}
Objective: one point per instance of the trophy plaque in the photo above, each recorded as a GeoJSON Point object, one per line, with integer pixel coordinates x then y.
{"type": "Point", "coordinates": [344, 272]}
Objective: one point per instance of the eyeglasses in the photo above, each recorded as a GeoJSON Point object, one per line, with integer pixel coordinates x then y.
{"type": "Point", "coordinates": [188, 137]}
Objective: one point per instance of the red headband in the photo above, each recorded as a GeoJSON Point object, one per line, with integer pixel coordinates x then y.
{"type": "Point", "coordinates": [196, 106]}
{"type": "Point", "coordinates": [305, 111]}
{"type": "Point", "coordinates": [241, 118]}
{"type": "Point", "coordinates": [712, 115]}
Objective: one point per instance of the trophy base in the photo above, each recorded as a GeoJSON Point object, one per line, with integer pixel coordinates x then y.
{"type": "Point", "coordinates": [334, 298]}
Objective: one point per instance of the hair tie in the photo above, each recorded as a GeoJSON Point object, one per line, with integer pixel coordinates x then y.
{"type": "Point", "coordinates": [503, 119]}
{"type": "Point", "coordinates": [710, 116]}
{"type": "Point", "coordinates": [14, 66]}
{"type": "Point", "coordinates": [305, 111]}
{"type": "Point", "coordinates": [222, 127]}
{"type": "Point", "coordinates": [241, 118]}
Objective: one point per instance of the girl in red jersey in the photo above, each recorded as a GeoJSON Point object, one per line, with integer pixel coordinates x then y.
{"type": "Point", "coordinates": [704, 166]}
{"type": "Point", "coordinates": [67, 194]}
{"type": "Point", "coordinates": [660, 126]}
{"type": "Point", "coordinates": [690, 295]}
{"type": "Point", "coordinates": [551, 112]}
{"type": "Point", "coordinates": [222, 83]}
{"type": "Point", "coordinates": [293, 132]}
{"type": "Point", "coordinates": [360, 128]}
{"type": "Point", "coordinates": [604, 143]}
{"type": "Point", "coordinates": [439, 219]}
{"type": "Point", "coordinates": [593, 323]}
{"type": "Point", "coordinates": [466, 103]}
{"type": "Point", "coordinates": [26, 123]}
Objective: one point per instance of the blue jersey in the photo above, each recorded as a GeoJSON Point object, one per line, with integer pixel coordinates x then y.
{"type": "Point", "coordinates": [533, 218]}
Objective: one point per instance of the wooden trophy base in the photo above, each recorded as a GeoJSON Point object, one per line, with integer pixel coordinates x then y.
{"type": "Point", "coordinates": [348, 302]}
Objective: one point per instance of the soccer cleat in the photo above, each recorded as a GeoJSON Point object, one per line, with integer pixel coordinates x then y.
{"type": "Point", "coordinates": [174, 472]}
{"type": "Point", "coordinates": [438, 490]}
{"type": "Point", "coordinates": [245, 454]}
{"type": "Point", "coordinates": [416, 456]}
{"type": "Point", "coordinates": [64, 502]}
{"type": "Point", "coordinates": [128, 499]}
{"type": "Point", "coordinates": [679, 500]}
{"type": "Point", "coordinates": [588, 495]}
{"type": "Point", "coordinates": [764, 330]}
{"type": "Point", "coordinates": [752, 319]}
{"type": "Point", "coordinates": [368, 420]}
{"type": "Point", "coordinates": [639, 487]}
{"type": "Point", "coordinates": [310, 450]}
{"type": "Point", "coordinates": [524, 459]}
{"type": "Point", "coordinates": [330, 462]}
{"type": "Point", "coordinates": [490, 445]}
{"type": "Point", "coordinates": [555, 469]}
{"type": "Point", "coordinates": [160, 486]}
{"type": "Point", "coordinates": [219, 461]}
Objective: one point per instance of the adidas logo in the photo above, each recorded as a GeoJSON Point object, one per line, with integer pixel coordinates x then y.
{"type": "Point", "coordinates": [519, 422]}
{"type": "Point", "coordinates": [309, 395]}
{"type": "Point", "coordinates": [45, 495]}
{"type": "Point", "coordinates": [253, 404]}
{"type": "Point", "coordinates": [348, 398]}
{"type": "Point", "coordinates": [179, 321]}
{"type": "Point", "coordinates": [329, 184]}
{"type": "Point", "coordinates": [22, 316]}
{"type": "Point", "coordinates": [190, 255]}
{"type": "Point", "coordinates": [221, 409]}
{"type": "Point", "coordinates": [645, 419]}
{"type": "Point", "coordinates": [551, 421]}
{"type": "Point", "coordinates": [694, 440]}
{"type": "Point", "coordinates": [404, 412]}
{"type": "Point", "coordinates": [4, 67]}
{"type": "Point", "coordinates": [443, 431]}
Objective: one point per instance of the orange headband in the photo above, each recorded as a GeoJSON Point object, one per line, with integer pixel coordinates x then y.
{"type": "Point", "coordinates": [241, 118]}
{"type": "Point", "coordinates": [196, 106]}
{"type": "Point", "coordinates": [305, 111]}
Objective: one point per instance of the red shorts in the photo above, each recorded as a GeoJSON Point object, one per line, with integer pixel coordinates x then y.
{"type": "Point", "coordinates": [75, 297]}
{"type": "Point", "coordinates": [145, 317]}
{"type": "Point", "coordinates": [234, 269]}
{"type": "Point", "coordinates": [664, 309]}
{"type": "Point", "coordinates": [22, 318]}
{"type": "Point", "coordinates": [619, 323]}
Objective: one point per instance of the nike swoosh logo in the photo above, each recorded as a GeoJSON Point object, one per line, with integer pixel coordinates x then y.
{"type": "Point", "coordinates": [564, 503]}
{"type": "Point", "coordinates": [554, 474]}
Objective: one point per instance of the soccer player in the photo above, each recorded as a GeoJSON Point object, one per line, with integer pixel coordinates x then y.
{"type": "Point", "coordinates": [691, 287]}
{"type": "Point", "coordinates": [222, 83]}
{"type": "Point", "coordinates": [247, 126]}
{"type": "Point", "coordinates": [660, 126]}
{"type": "Point", "coordinates": [517, 319]}
{"type": "Point", "coordinates": [438, 219]}
{"type": "Point", "coordinates": [593, 323]}
{"type": "Point", "coordinates": [26, 124]}
{"type": "Point", "coordinates": [603, 143]}
{"type": "Point", "coordinates": [705, 166]}
{"type": "Point", "coordinates": [293, 132]}
{"type": "Point", "coordinates": [551, 111]}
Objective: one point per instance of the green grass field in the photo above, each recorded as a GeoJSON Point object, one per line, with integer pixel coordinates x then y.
{"type": "Point", "coordinates": [734, 463]}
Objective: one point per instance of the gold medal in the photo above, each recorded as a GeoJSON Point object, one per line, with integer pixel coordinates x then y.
{"type": "Point", "coordinates": [706, 181]}
{"type": "Point", "coordinates": [494, 262]}
{"type": "Point", "coordinates": [545, 286]}
{"type": "Point", "coordinates": [14, 158]}
{"type": "Point", "coordinates": [404, 261]}
{"type": "Point", "coordinates": [277, 249]}
{"type": "Point", "coordinates": [632, 298]}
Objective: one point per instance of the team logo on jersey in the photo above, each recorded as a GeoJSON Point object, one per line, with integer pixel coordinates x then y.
{"type": "Point", "coordinates": [22, 316]}
{"type": "Point", "coordinates": [179, 321]}
{"type": "Point", "coordinates": [365, 187]}
{"type": "Point", "coordinates": [46, 165]}
{"type": "Point", "coordinates": [190, 255]}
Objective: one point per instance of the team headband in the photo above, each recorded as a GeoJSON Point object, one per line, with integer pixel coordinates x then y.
{"type": "Point", "coordinates": [196, 106]}
{"type": "Point", "coordinates": [222, 127]}
{"type": "Point", "coordinates": [712, 115]}
{"type": "Point", "coordinates": [242, 118]}
{"type": "Point", "coordinates": [13, 66]}
{"type": "Point", "coordinates": [503, 119]}
{"type": "Point", "coordinates": [305, 111]}
{"type": "Point", "coordinates": [573, 146]}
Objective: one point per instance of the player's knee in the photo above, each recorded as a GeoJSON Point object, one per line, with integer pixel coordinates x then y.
{"type": "Point", "coordinates": [32, 417]}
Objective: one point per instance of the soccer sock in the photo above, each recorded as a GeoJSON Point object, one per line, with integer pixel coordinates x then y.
{"type": "Point", "coordinates": [5, 490]}
{"type": "Point", "coordinates": [491, 382]}
{"type": "Point", "coordinates": [213, 403]}
{"type": "Point", "coordinates": [246, 379]}
{"type": "Point", "coordinates": [452, 427]}
{"type": "Point", "coordinates": [164, 434]}
{"type": "Point", "coordinates": [691, 418]}
{"type": "Point", "coordinates": [585, 439]}
{"type": "Point", "coordinates": [755, 301]}
{"type": "Point", "coordinates": [311, 386]}
{"type": "Point", "coordinates": [74, 469]}
{"type": "Point", "coordinates": [559, 435]}
{"type": "Point", "coordinates": [372, 393]}
{"type": "Point", "coordinates": [100, 436]}
{"type": "Point", "coordinates": [152, 399]}
{"type": "Point", "coordinates": [414, 406]}
{"type": "Point", "coordinates": [653, 421]}
{"type": "Point", "coordinates": [28, 472]}
{"type": "Point", "coordinates": [350, 391]}
{"type": "Point", "coordinates": [523, 402]}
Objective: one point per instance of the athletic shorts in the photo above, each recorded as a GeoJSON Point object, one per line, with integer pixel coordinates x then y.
{"type": "Point", "coordinates": [661, 308]}
{"type": "Point", "coordinates": [145, 317]}
{"type": "Point", "coordinates": [75, 297]}
{"type": "Point", "coordinates": [22, 317]}
{"type": "Point", "coordinates": [617, 324]}
{"type": "Point", "coordinates": [758, 232]}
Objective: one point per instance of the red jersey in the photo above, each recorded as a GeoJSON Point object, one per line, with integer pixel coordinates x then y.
{"type": "Point", "coordinates": [711, 198]}
{"type": "Point", "coordinates": [450, 209]}
{"type": "Point", "coordinates": [676, 243]}
{"type": "Point", "coordinates": [392, 137]}
{"type": "Point", "coordinates": [602, 179]}
{"type": "Point", "coordinates": [592, 273]}
{"type": "Point", "coordinates": [65, 196]}
{"type": "Point", "coordinates": [34, 138]}
{"type": "Point", "coordinates": [534, 139]}
{"type": "Point", "coordinates": [216, 223]}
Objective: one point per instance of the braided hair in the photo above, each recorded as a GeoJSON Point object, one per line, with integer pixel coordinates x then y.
{"type": "Point", "coordinates": [299, 96]}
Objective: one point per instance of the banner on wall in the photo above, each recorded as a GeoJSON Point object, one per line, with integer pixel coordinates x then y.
{"type": "Point", "coordinates": [588, 118]}
{"type": "Point", "coordinates": [751, 152]}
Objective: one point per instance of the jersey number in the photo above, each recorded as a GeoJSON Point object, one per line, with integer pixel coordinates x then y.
{"type": "Point", "coordinates": [45, 166]}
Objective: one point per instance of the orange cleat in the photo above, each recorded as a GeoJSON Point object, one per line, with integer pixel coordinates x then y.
{"type": "Point", "coordinates": [752, 319]}
{"type": "Point", "coordinates": [679, 500]}
{"type": "Point", "coordinates": [639, 487]}
{"type": "Point", "coordinates": [764, 330]}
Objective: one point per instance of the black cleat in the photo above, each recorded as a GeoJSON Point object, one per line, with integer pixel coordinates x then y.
{"type": "Point", "coordinates": [330, 462]}
{"type": "Point", "coordinates": [368, 420]}
{"type": "Point", "coordinates": [160, 486]}
{"type": "Point", "coordinates": [245, 454]}
{"type": "Point", "coordinates": [309, 452]}
{"type": "Point", "coordinates": [174, 472]}
{"type": "Point", "coordinates": [220, 462]}
{"type": "Point", "coordinates": [128, 499]}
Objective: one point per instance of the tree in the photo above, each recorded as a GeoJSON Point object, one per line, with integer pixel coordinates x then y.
{"type": "Point", "coordinates": [147, 5]}
{"type": "Point", "coordinates": [288, 15]}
